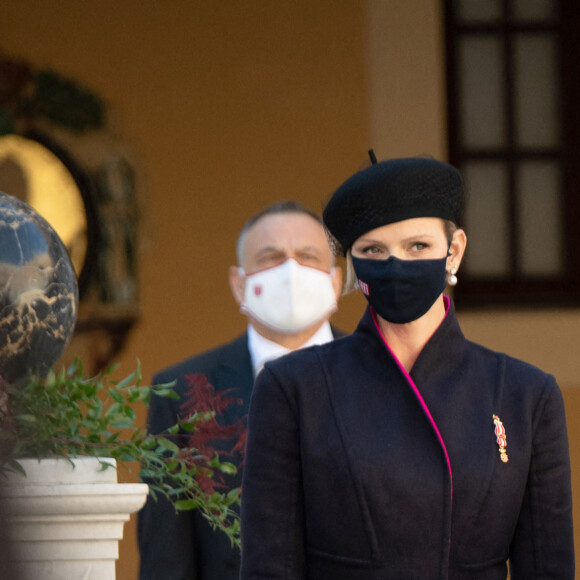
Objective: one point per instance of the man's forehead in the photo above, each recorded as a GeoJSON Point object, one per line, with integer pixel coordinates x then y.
{"type": "Point", "coordinates": [265, 248]}
{"type": "Point", "coordinates": [283, 226]}
{"type": "Point", "coordinates": [284, 233]}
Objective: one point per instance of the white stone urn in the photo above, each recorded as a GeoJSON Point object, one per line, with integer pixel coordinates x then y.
{"type": "Point", "coordinates": [66, 517]}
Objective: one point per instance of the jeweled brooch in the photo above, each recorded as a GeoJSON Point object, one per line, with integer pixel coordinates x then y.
{"type": "Point", "coordinates": [501, 439]}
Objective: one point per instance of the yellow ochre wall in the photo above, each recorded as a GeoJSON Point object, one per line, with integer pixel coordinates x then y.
{"type": "Point", "coordinates": [228, 106]}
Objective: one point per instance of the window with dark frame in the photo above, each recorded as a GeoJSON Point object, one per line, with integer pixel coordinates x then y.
{"type": "Point", "coordinates": [513, 79]}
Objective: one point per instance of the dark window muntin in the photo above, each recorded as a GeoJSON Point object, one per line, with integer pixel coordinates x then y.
{"type": "Point", "coordinates": [515, 289]}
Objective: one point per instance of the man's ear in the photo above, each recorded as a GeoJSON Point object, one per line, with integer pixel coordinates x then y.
{"type": "Point", "coordinates": [237, 283]}
{"type": "Point", "coordinates": [337, 281]}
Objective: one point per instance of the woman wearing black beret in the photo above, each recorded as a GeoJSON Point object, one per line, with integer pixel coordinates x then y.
{"type": "Point", "coordinates": [404, 451]}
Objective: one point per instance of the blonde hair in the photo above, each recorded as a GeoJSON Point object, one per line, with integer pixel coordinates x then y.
{"type": "Point", "coordinates": [350, 281]}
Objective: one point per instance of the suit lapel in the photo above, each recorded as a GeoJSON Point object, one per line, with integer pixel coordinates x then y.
{"type": "Point", "coordinates": [234, 371]}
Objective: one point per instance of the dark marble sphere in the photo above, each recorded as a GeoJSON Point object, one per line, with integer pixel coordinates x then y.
{"type": "Point", "coordinates": [38, 292]}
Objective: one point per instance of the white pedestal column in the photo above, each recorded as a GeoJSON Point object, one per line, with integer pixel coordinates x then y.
{"type": "Point", "coordinates": [66, 521]}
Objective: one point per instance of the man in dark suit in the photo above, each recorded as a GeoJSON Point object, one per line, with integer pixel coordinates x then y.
{"type": "Point", "coordinates": [287, 286]}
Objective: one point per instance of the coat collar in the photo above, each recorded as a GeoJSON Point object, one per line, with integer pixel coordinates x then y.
{"type": "Point", "coordinates": [443, 351]}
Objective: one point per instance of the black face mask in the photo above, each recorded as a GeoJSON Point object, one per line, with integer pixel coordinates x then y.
{"type": "Point", "coordinates": [401, 291]}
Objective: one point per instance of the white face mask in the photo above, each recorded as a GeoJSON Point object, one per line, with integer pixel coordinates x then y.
{"type": "Point", "coordinates": [289, 297]}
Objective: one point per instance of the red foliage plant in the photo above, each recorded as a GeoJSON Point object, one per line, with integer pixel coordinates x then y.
{"type": "Point", "coordinates": [211, 437]}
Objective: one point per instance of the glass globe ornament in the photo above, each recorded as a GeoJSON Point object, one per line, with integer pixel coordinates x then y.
{"type": "Point", "coordinates": [38, 292]}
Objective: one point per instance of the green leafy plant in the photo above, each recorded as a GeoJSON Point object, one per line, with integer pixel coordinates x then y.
{"type": "Point", "coordinates": [66, 414]}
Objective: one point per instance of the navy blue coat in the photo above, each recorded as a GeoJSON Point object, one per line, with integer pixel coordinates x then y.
{"type": "Point", "coordinates": [357, 471]}
{"type": "Point", "coordinates": [182, 546]}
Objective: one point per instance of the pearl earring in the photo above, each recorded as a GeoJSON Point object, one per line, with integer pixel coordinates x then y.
{"type": "Point", "coordinates": [452, 280]}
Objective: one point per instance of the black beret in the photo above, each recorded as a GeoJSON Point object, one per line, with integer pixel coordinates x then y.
{"type": "Point", "coordinates": [392, 191]}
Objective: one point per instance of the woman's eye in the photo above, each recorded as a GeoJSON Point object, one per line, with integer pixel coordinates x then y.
{"type": "Point", "coordinates": [419, 246]}
{"type": "Point", "coordinates": [371, 250]}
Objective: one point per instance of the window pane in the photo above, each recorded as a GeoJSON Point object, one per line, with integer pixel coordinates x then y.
{"type": "Point", "coordinates": [481, 74]}
{"type": "Point", "coordinates": [536, 10]}
{"type": "Point", "coordinates": [536, 87]}
{"type": "Point", "coordinates": [540, 218]}
{"type": "Point", "coordinates": [486, 219]}
{"type": "Point", "coordinates": [471, 11]}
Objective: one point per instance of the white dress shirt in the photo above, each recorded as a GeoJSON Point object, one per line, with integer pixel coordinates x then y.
{"type": "Point", "coordinates": [263, 350]}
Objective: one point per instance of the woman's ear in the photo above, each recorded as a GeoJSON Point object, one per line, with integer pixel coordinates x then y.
{"type": "Point", "coordinates": [237, 283]}
{"type": "Point", "coordinates": [456, 249]}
